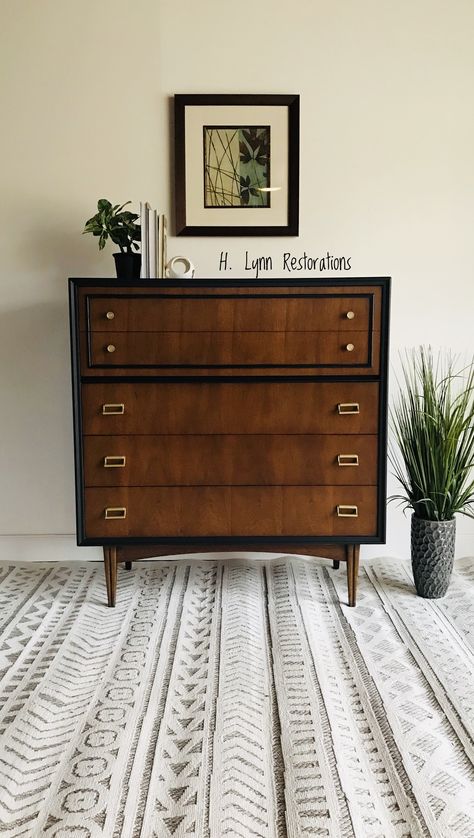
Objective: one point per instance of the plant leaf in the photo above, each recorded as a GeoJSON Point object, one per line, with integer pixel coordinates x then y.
{"type": "Point", "coordinates": [112, 221]}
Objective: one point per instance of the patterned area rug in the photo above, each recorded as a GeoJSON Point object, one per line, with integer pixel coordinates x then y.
{"type": "Point", "coordinates": [224, 699]}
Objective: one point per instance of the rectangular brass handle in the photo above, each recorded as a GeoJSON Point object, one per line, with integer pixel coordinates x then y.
{"type": "Point", "coordinates": [113, 409]}
{"type": "Point", "coordinates": [348, 459]}
{"type": "Point", "coordinates": [115, 462]}
{"type": "Point", "coordinates": [114, 512]}
{"type": "Point", "coordinates": [347, 511]}
{"type": "Point", "coordinates": [348, 407]}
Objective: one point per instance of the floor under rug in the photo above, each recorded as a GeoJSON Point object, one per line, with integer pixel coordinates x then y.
{"type": "Point", "coordinates": [234, 699]}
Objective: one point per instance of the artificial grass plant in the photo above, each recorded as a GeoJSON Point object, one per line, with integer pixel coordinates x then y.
{"type": "Point", "coordinates": [432, 421]}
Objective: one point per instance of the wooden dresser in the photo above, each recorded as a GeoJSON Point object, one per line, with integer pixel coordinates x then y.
{"type": "Point", "coordinates": [218, 415]}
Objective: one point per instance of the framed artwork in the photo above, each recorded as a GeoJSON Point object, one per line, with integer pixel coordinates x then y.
{"type": "Point", "coordinates": [236, 165]}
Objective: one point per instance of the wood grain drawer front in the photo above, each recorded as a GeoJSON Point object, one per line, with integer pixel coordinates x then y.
{"type": "Point", "coordinates": [230, 460]}
{"type": "Point", "coordinates": [208, 349]}
{"type": "Point", "coordinates": [251, 407]}
{"type": "Point", "coordinates": [324, 311]}
{"type": "Point", "coordinates": [226, 511]}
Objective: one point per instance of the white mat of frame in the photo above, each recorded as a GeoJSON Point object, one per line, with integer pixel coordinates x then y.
{"type": "Point", "coordinates": [234, 699]}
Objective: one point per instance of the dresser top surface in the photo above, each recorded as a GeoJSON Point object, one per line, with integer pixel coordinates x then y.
{"type": "Point", "coordinates": [160, 285]}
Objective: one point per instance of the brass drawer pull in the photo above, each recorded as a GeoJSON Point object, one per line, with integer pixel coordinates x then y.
{"type": "Point", "coordinates": [110, 348]}
{"type": "Point", "coordinates": [110, 315]}
{"type": "Point", "coordinates": [112, 409]}
{"type": "Point", "coordinates": [348, 407]}
{"type": "Point", "coordinates": [350, 315]}
{"type": "Point", "coordinates": [115, 462]}
{"type": "Point", "coordinates": [350, 347]}
{"type": "Point", "coordinates": [348, 459]}
{"type": "Point", "coordinates": [347, 511]}
{"type": "Point", "coordinates": [114, 512]}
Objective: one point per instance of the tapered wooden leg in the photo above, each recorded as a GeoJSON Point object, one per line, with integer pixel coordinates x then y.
{"type": "Point", "coordinates": [128, 565]}
{"type": "Point", "coordinates": [352, 553]}
{"type": "Point", "coordinates": [335, 564]}
{"type": "Point", "coordinates": [110, 568]}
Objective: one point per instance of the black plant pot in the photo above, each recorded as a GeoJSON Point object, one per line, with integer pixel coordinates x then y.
{"type": "Point", "coordinates": [128, 265]}
{"type": "Point", "coordinates": [432, 555]}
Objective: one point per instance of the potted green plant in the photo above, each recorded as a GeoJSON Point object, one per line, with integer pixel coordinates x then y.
{"type": "Point", "coordinates": [112, 221]}
{"type": "Point", "coordinates": [432, 454]}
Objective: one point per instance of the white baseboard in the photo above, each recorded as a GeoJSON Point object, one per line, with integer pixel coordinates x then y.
{"type": "Point", "coordinates": [464, 545]}
{"type": "Point", "coordinates": [46, 548]}
{"type": "Point", "coordinates": [63, 548]}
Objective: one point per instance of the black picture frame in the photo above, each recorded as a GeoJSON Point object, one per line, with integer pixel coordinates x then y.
{"type": "Point", "coordinates": [285, 222]}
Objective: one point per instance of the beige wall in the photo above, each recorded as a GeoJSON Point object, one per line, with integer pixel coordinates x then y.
{"type": "Point", "coordinates": [386, 177]}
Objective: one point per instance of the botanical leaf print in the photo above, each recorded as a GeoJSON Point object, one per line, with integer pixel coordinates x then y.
{"type": "Point", "coordinates": [236, 166]}
{"type": "Point", "coordinates": [255, 145]}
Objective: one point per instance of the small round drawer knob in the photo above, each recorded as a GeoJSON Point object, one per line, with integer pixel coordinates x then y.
{"type": "Point", "coordinates": [350, 315]}
{"type": "Point", "coordinates": [111, 348]}
{"type": "Point", "coordinates": [110, 315]}
{"type": "Point", "coordinates": [350, 347]}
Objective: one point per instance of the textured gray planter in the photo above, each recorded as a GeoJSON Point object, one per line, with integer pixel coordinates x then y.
{"type": "Point", "coordinates": [432, 555]}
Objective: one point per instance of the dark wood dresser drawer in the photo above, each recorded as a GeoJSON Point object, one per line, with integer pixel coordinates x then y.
{"type": "Point", "coordinates": [306, 330]}
{"type": "Point", "coordinates": [251, 407]}
{"type": "Point", "coordinates": [230, 460]}
{"type": "Point", "coordinates": [226, 511]}
{"type": "Point", "coordinates": [231, 349]}
{"type": "Point", "coordinates": [318, 311]}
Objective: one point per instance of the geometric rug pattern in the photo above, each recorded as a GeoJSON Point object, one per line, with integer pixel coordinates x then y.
{"type": "Point", "coordinates": [235, 699]}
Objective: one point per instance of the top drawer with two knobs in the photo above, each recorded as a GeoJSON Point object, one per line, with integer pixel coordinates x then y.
{"type": "Point", "coordinates": [313, 331]}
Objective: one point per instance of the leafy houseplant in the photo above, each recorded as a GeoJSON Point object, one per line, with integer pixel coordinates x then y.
{"type": "Point", "coordinates": [112, 221]}
{"type": "Point", "coordinates": [433, 457]}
